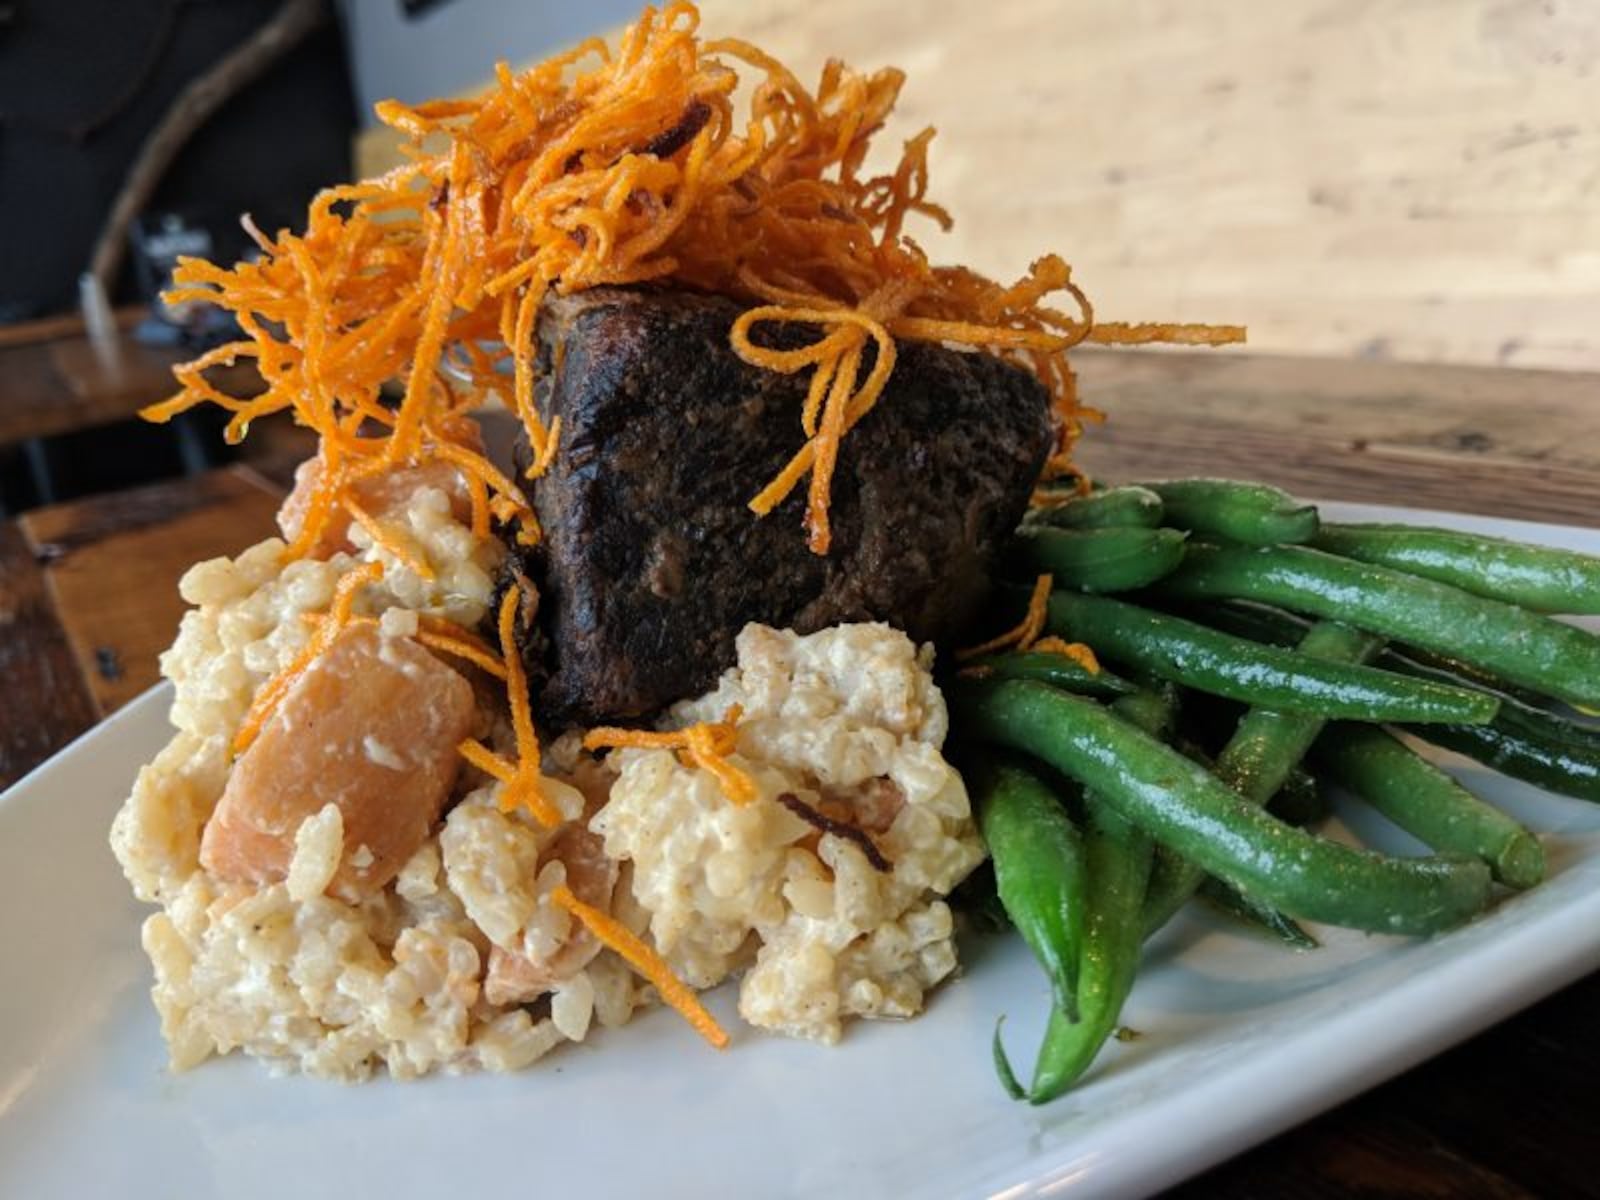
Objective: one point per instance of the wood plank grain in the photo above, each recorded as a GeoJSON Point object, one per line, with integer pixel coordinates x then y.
{"type": "Point", "coordinates": [38, 400]}
{"type": "Point", "coordinates": [113, 563]}
{"type": "Point", "coordinates": [1498, 442]}
{"type": "Point", "coordinates": [57, 386]}
{"type": "Point", "coordinates": [44, 699]}
{"type": "Point", "coordinates": [49, 329]}
{"type": "Point", "coordinates": [1495, 1117]}
{"type": "Point", "coordinates": [1409, 180]}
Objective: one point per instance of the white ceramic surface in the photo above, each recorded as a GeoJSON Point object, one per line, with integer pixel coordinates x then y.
{"type": "Point", "coordinates": [1241, 1039]}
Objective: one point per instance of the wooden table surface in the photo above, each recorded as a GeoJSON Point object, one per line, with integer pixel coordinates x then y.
{"type": "Point", "coordinates": [1414, 181]}
{"type": "Point", "coordinates": [88, 601]}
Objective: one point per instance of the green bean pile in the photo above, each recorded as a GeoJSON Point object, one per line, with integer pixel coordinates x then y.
{"type": "Point", "coordinates": [1261, 654]}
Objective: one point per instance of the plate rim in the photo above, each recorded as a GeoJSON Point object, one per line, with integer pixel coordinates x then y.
{"type": "Point", "coordinates": [1506, 971]}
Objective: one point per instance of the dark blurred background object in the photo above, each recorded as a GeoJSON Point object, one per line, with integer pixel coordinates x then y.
{"type": "Point", "coordinates": [83, 82]}
{"type": "Point", "coordinates": [101, 99]}
{"type": "Point", "coordinates": [135, 131]}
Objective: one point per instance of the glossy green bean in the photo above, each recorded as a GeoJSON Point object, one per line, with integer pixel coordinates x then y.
{"type": "Point", "coordinates": [1241, 512]}
{"type": "Point", "coordinates": [1266, 746]}
{"type": "Point", "coordinates": [1260, 918]}
{"type": "Point", "coordinates": [1537, 577]}
{"type": "Point", "coordinates": [1055, 669]}
{"type": "Point", "coordinates": [1111, 508]}
{"type": "Point", "coordinates": [1097, 560]}
{"type": "Point", "coordinates": [1039, 865]}
{"type": "Point", "coordinates": [1301, 800]}
{"type": "Point", "coordinates": [1118, 854]}
{"type": "Point", "coordinates": [1425, 802]}
{"type": "Point", "coordinates": [1527, 744]}
{"type": "Point", "coordinates": [1511, 642]}
{"type": "Point", "coordinates": [1181, 805]}
{"type": "Point", "coordinates": [1522, 740]}
{"type": "Point", "coordinates": [1117, 858]}
{"type": "Point", "coordinates": [1208, 661]}
{"type": "Point", "coordinates": [1275, 627]}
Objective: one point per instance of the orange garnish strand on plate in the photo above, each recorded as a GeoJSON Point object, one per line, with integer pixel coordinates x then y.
{"type": "Point", "coordinates": [1076, 651]}
{"type": "Point", "coordinates": [1024, 634]}
{"type": "Point", "coordinates": [638, 955]}
{"type": "Point", "coordinates": [272, 692]}
{"type": "Point", "coordinates": [705, 744]}
{"type": "Point", "coordinates": [616, 166]}
{"type": "Point", "coordinates": [521, 782]}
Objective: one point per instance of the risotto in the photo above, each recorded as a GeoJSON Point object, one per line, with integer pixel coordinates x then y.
{"type": "Point", "coordinates": [302, 926]}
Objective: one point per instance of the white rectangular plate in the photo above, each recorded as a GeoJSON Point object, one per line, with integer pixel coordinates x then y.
{"type": "Point", "coordinates": [1241, 1039]}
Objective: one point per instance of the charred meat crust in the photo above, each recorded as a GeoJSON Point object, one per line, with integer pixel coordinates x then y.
{"type": "Point", "coordinates": [651, 562]}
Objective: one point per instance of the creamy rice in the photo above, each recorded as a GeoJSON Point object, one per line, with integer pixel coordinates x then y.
{"type": "Point", "coordinates": [464, 961]}
{"type": "Point", "coordinates": [840, 716]}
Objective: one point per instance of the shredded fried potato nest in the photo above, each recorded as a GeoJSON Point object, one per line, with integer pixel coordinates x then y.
{"type": "Point", "coordinates": [604, 166]}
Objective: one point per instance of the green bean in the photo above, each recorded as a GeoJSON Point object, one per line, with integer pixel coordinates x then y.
{"type": "Point", "coordinates": [1278, 628]}
{"type": "Point", "coordinates": [1208, 661]}
{"type": "Point", "coordinates": [1118, 855]}
{"type": "Point", "coordinates": [1525, 743]}
{"type": "Point", "coordinates": [1055, 669]}
{"type": "Point", "coordinates": [1263, 918]}
{"type": "Point", "coordinates": [1537, 577]}
{"type": "Point", "coordinates": [1522, 741]}
{"type": "Point", "coordinates": [1241, 512]}
{"type": "Point", "coordinates": [1556, 659]}
{"type": "Point", "coordinates": [1117, 860]}
{"type": "Point", "coordinates": [1301, 800]}
{"type": "Point", "coordinates": [1097, 560]}
{"type": "Point", "coordinates": [1465, 674]}
{"type": "Point", "coordinates": [1268, 744]}
{"type": "Point", "coordinates": [1184, 807]}
{"type": "Point", "coordinates": [1113, 507]}
{"type": "Point", "coordinates": [1038, 865]}
{"type": "Point", "coordinates": [1002, 1064]}
{"type": "Point", "coordinates": [1265, 747]}
{"type": "Point", "coordinates": [1425, 802]}
{"type": "Point", "coordinates": [1257, 622]}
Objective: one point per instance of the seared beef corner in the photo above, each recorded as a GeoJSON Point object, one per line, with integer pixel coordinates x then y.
{"type": "Point", "coordinates": [651, 562]}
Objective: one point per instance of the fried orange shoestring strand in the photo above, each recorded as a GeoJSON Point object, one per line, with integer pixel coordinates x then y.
{"type": "Point", "coordinates": [1026, 633]}
{"type": "Point", "coordinates": [450, 638]}
{"type": "Point", "coordinates": [1076, 651]}
{"type": "Point", "coordinates": [705, 744]}
{"type": "Point", "coordinates": [616, 165]}
{"type": "Point", "coordinates": [642, 958]}
{"type": "Point", "coordinates": [521, 781]}
{"type": "Point", "coordinates": [1025, 636]}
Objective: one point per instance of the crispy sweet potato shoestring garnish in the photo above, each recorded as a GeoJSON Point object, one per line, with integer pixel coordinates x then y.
{"type": "Point", "coordinates": [1026, 633]}
{"type": "Point", "coordinates": [705, 744]}
{"type": "Point", "coordinates": [520, 782]}
{"type": "Point", "coordinates": [617, 166]}
{"type": "Point", "coordinates": [642, 958]}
